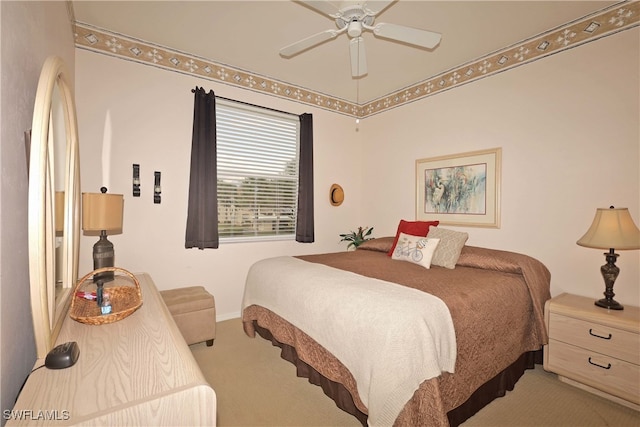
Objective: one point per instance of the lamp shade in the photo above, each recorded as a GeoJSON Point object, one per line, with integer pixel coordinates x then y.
{"type": "Point", "coordinates": [59, 215]}
{"type": "Point", "coordinates": [612, 228]}
{"type": "Point", "coordinates": [102, 211]}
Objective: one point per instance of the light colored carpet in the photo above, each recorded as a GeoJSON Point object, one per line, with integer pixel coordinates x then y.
{"type": "Point", "coordinates": [255, 387]}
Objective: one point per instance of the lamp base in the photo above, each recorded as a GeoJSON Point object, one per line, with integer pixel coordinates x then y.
{"type": "Point", "coordinates": [609, 304]}
{"type": "Point", "coordinates": [103, 256]}
{"type": "Point", "coordinates": [610, 273]}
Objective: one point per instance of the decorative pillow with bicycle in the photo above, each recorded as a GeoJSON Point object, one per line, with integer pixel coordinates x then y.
{"type": "Point", "coordinates": [416, 249]}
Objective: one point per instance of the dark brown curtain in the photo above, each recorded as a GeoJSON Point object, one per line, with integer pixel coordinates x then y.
{"type": "Point", "coordinates": [305, 222]}
{"type": "Point", "coordinates": [202, 214]}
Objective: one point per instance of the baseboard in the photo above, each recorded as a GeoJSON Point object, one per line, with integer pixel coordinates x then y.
{"type": "Point", "coordinates": [227, 316]}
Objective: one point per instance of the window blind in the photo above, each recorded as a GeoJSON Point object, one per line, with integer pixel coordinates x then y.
{"type": "Point", "coordinates": [257, 155]}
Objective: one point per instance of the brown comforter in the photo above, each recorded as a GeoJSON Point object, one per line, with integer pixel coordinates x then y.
{"type": "Point", "coordinates": [496, 301]}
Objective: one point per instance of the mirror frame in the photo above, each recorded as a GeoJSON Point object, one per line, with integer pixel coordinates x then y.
{"type": "Point", "coordinates": [49, 311]}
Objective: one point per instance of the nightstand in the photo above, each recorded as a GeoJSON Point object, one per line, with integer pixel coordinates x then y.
{"type": "Point", "coordinates": [594, 348]}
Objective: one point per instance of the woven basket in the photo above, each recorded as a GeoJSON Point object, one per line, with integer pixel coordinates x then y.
{"type": "Point", "coordinates": [124, 300]}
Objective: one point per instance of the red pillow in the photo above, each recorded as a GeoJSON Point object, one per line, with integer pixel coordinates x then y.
{"type": "Point", "coordinates": [414, 228]}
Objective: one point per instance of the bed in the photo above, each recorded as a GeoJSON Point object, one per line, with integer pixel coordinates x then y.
{"type": "Point", "coordinates": [493, 300]}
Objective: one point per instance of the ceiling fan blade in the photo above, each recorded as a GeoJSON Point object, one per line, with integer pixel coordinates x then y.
{"type": "Point", "coordinates": [414, 36]}
{"type": "Point", "coordinates": [304, 44]}
{"type": "Point", "coordinates": [377, 6]}
{"type": "Point", "coordinates": [323, 7]}
{"type": "Point", "coordinates": [358, 57]}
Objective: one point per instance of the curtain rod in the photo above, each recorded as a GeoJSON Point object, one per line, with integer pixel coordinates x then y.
{"type": "Point", "coordinates": [252, 105]}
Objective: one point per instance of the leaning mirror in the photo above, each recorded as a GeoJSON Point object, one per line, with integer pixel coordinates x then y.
{"type": "Point", "coordinates": [54, 203]}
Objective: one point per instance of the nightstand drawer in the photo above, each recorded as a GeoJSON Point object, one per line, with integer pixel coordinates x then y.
{"type": "Point", "coordinates": [602, 339]}
{"type": "Point", "coordinates": [605, 373]}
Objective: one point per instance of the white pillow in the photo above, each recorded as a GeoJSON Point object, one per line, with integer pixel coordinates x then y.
{"type": "Point", "coordinates": [416, 249]}
{"type": "Point", "coordinates": [449, 248]}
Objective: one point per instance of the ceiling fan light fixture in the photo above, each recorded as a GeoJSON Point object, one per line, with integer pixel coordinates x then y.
{"type": "Point", "coordinates": [355, 29]}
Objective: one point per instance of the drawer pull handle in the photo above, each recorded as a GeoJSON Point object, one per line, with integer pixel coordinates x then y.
{"type": "Point", "coordinates": [599, 336]}
{"type": "Point", "coordinates": [600, 366]}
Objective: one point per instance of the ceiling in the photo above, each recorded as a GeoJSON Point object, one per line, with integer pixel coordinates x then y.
{"type": "Point", "coordinates": [248, 35]}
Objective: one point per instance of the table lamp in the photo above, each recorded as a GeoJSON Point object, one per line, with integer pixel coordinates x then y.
{"type": "Point", "coordinates": [59, 227]}
{"type": "Point", "coordinates": [611, 229]}
{"type": "Point", "coordinates": [102, 212]}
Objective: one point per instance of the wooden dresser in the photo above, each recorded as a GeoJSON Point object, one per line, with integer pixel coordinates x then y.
{"type": "Point", "coordinates": [594, 348]}
{"type": "Point", "coordinates": [135, 372]}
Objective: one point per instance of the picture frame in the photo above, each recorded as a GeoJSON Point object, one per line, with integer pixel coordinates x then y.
{"type": "Point", "coordinates": [460, 189]}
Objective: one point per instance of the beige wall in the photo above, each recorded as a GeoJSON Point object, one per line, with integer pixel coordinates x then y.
{"type": "Point", "coordinates": [151, 116]}
{"type": "Point", "coordinates": [31, 31]}
{"type": "Point", "coordinates": [567, 124]}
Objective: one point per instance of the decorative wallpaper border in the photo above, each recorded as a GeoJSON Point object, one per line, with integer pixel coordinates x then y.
{"type": "Point", "coordinates": [592, 27]}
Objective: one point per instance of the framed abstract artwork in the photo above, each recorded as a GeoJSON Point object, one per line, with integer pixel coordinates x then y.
{"type": "Point", "coordinates": [460, 189]}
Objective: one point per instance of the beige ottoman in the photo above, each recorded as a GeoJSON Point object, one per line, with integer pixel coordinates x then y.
{"type": "Point", "coordinates": [194, 311]}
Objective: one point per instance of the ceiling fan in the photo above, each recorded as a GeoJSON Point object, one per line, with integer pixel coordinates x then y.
{"type": "Point", "coordinates": [354, 18]}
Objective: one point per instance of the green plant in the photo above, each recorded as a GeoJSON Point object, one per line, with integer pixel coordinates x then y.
{"type": "Point", "coordinates": [356, 238]}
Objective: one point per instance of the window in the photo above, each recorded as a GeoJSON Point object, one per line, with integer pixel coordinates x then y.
{"type": "Point", "coordinates": [257, 172]}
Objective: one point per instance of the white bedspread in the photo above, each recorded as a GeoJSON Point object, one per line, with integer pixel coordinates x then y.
{"type": "Point", "coordinates": [390, 337]}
